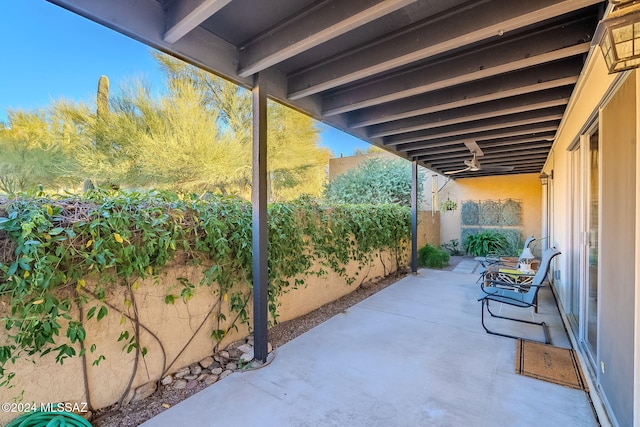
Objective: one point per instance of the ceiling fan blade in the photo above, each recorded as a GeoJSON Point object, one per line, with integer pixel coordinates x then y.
{"type": "Point", "coordinates": [497, 168]}
{"type": "Point", "coordinates": [458, 171]}
{"type": "Point", "coordinates": [473, 147]}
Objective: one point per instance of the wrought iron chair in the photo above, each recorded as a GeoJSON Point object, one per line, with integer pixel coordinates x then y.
{"type": "Point", "coordinates": [498, 292]}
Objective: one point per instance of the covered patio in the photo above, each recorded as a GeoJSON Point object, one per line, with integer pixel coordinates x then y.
{"type": "Point", "coordinates": [413, 354]}
{"type": "Point", "coordinates": [516, 86]}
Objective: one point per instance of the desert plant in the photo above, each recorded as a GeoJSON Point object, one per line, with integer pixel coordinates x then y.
{"type": "Point", "coordinates": [486, 242]}
{"type": "Point", "coordinates": [432, 257]}
{"type": "Point", "coordinates": [453, 247]}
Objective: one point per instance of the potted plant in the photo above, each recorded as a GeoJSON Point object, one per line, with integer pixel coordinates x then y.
{"type": "Point", "coordinates": [448, 205]}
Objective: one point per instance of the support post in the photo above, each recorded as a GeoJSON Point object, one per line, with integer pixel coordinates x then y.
{"type": "Point", "coordinates": [259, 217]}
{"type": "Point", "coordinates": [414, 216]}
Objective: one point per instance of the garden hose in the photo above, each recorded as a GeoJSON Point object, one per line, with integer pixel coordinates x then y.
{"type": "Point", "coordinates": [49, 419]}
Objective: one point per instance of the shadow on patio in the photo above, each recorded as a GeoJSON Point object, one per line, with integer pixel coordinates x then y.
{"type": "Point", "coordinates": [414, 354]}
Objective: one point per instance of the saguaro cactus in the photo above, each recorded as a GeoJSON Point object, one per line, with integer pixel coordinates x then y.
{"type": "Point", "coordinates": [102, 100]}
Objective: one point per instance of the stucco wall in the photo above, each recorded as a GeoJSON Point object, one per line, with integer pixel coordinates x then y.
{"type": "Point", "coordinates": [613, 370]}
{"type": "Point", "coordinates": [616, 249]}
{"type": "Point", "coordinates": [46, 381]}
{"type": "Point", "coordinates": [525, 188]}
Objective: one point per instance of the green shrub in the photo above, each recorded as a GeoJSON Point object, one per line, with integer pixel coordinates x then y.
{"type": "Point", "coordinates": [486, 242]}
{"type": "Point", "coordinates": [453, 247]}
{"type": "Point", "coordinates": [376, 181]}
{"type": "Point", "coordinates": [432, 257]}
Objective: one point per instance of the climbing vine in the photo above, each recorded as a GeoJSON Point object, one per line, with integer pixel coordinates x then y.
{"type": "Point", "coordinates": [60, 256]}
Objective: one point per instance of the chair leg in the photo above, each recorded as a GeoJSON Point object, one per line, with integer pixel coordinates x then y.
{"type": "Point", "coordinates": [547, 339]}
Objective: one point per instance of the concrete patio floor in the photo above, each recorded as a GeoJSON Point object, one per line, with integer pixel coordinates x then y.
{"type": "Point", "coordinates": [414, 354]}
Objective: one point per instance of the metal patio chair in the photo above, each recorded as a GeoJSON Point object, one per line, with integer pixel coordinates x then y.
{"type": "Point", "coordinates": [499, 292]}
{"type": "Point", "coordinates": [493, 259]}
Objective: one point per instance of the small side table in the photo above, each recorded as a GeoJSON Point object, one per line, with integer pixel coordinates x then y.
{"type": "Point", "coordinates": [509, 278]}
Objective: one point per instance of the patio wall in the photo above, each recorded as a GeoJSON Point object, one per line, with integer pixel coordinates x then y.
{"type": "Point", "coordinates": [524, 187]}
{"type": "Point", "coordinates": [42, 380]}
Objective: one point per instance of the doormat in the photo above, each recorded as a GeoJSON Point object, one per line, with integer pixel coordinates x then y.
{"type": "Point", "coordinates": [549, 363]}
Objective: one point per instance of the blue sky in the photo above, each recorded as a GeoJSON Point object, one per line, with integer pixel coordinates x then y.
{"type": "Point", "coordinates": [50, 53]}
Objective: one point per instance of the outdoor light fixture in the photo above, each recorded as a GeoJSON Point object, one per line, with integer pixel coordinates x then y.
{"type": "Point", "coordinates": [619, 36]}
{"type": "Point", "coordinates": [525, 260]}
{"type": "Point", "coordinates": [544, 178]}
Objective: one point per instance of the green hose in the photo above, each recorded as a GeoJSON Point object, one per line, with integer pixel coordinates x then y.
{"type": "Point", "coordinates": [49, 419]}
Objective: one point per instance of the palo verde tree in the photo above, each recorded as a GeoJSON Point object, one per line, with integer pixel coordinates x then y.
{"type": "Point", "coordinates": [197, 137]}
{"type": "Point", "coordinates": [37, 148]}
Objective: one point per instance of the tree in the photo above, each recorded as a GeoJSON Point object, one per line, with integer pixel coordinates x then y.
{"type": "Point", "coordinates": [197, 137]}
{"type": "Point", "coordinates": [36, 150]}
{"type": "Point", "coordinates": [377, 180]}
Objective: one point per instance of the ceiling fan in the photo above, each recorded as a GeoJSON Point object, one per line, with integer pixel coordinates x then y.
{"type": "Point", "coordinates": [474, 165]}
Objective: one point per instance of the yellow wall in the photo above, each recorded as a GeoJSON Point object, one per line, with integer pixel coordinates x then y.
{"type": "Point", "coordinates": [524, 187]}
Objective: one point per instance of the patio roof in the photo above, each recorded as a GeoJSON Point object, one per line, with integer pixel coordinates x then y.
{"type": "Point", "coordinates": [419, 78]}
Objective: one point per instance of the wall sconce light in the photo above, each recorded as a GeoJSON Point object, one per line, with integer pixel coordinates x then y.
{"type": "Point", "coordinates": [619, 36]}
{"type": "Point", "coordinates": [544, 178]}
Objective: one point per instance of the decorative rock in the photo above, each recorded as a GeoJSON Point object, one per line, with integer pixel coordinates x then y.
{"type": "Point", "coordinates": [206, 362]}
{"type": "Point", "coordinates": [195, 369]}
{"type": "Point", "coordinates": [144, 391]}
{"type": "Point", "coordinates": [222, 357]}
{"type": "Point", "coordinates": [234, 353]}
{"type": "Point", "coordinates": [190, 377]}
{"type": "Point", "coordinates": [247, 357]}
{"type": "Point", "coordinates": [269, 347]}
{"type": "Point", "coordinates": [211, 379]}
{"type": "Point", "coordinates": [202, 377]}
{"type": "Point", "coordinates": [226, 373]}
{"type": "Point", "coordinates": [180, 384]}
{"type": "Point", "coordinates": [250, 340]}
{"type": "Point", "coordinates": [216, 371]}
{"type": "Point", "coordinates": [167, 380]}
{"type": "Point", "coordinates": [192, 384]}
{"type": "Point", "coordinates": [231, 366]}
{"type": "Point", "coordinates": [246, 348]}
{"type": "Point", "coordinates": [182, 372]}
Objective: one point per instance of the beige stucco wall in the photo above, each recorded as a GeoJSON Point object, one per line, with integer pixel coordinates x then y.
{"type": "Point", "coordinates": [46, 381]}
{"type": "Point", "coordinates": [608, 101]}
{"type": "Point", "coordinates": [525, 188]}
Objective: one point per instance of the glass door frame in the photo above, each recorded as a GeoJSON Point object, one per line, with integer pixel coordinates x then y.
{"type": "Point", "coordinates": [580, 174]}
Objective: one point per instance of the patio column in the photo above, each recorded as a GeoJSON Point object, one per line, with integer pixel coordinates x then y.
{"type": "Point", "coordinates": [259, 217]}
{"type": "Point", "coordinates": [414, 216]}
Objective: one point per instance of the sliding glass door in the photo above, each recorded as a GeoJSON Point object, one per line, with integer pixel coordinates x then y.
{"type": "Point", "coordinates": [585, 202]}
